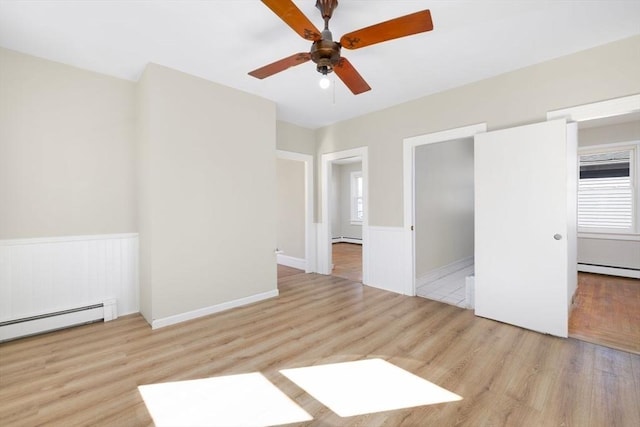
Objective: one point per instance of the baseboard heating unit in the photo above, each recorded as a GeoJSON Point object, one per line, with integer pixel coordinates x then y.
{"type": "Point", "coordinates": [633, 273]}
{"type": "Point", "coordinates": [32, 325]}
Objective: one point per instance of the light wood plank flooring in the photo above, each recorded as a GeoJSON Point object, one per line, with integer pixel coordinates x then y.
{"type": "Point", "coordinates": [607, 311]}
{"type": "Point", "coordinates": [507, 376]}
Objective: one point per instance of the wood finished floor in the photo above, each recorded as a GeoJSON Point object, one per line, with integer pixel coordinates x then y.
{"type": "Point", "coordinates": [507, 376]}
{"type": "Point", "coordinates": [347, 261]}
{"type": "Point", "coordinates": [607, 311]}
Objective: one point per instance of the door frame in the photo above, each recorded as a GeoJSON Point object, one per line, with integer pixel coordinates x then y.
{"type": "Point", "coordinates": [598, 110]}
{"type": "Point", "coordinates": [309, 229]}
{"type": "Point", "coordinates": [409, 176]}
{"type": "Point", "coordinates": [324, 265]}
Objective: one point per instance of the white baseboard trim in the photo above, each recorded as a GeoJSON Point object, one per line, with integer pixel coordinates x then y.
{"type": "Point", "coordinates": [292, 262]}
{"type": "Point", "coordinates": [346, 240]}
{"type": "Point", "coordinates": [611, 271]}
{"type": "Point", "coordinates": [190, 315]}
{"type": "Point", "coordinates": [439, 272]}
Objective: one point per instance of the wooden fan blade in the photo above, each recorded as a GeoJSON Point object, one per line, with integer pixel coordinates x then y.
{"type": "Point", "coordinates": [407, 25]}
{"type": "Point", "coordinates": [351, 78]}
{"type": "Point", "coordinates": [293, 17]}
{"type": "Point", "coordinates": [281, 65]}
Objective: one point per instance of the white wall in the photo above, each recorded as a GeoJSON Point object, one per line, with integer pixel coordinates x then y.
{"type": "Point", "coordinates": [66, 150]}
{"type": "Point", "coordinates": [443, 204]}
{"type": "Point", "coordinates": [612, 251]}
{"type": "Point", "coordinates": [207, 186]}
{"type": "Point", "coordinates": [291, 208]}
{"type": "Point", "coordinates": [334, 201]}
{"type": "Point", "coordinates": [341, 225]}
{"type": "Point", "coordinates": [46, 275]}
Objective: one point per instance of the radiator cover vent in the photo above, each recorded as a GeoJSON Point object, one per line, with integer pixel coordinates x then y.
{"type": "Point", "coordinates": [47, 322]}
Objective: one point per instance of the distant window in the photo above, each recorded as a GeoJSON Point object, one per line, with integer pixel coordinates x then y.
{"type": "Point", "coordinates": [606, 190]}
{"type": "Point", "coordinates": [357, 201]}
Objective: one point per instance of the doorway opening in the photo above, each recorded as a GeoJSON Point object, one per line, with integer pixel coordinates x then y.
{"type": "Point", "coordinates": [443, 221]}
{"type": "Point", "coordinates": [346, 211]}
{"type": "Point", "coordinates": [295, 234]}
{"type": "Point", "coordinates": [607, 303]}
{"type": "Point", "coordinates": [343, 233]}
{"type": "Point", "coordinates": [440, 222]}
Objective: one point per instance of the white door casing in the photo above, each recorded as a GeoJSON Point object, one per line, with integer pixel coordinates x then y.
{"type": "Point", "coordinates": [309, 229]}
{"type": "Point", "coordinates": [525, 225]}
{"type": "Point", "coordinates": [324, 228]}
{"type": "Point", "coordinates": [409, 149]}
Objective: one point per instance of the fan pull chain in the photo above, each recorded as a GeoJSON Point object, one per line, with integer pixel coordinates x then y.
{"type": "Point", "coordinates": [333, 89]}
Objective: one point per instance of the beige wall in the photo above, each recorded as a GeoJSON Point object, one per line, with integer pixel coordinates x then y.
{"type": "Point", "coordinates": [443, 204]}
{"type": "Point", "coordinates": [66, 150]}
{"type": "Point", "coordinates": [291, 207]}
{"type": "Point", "coordinates": [512, 99]}
{"type": "Point", "coordinates": [621, 132]}
{"type": "Point", "coordinates": [290, 137]}
{"type": "Point", "coordinates": [207, 184]}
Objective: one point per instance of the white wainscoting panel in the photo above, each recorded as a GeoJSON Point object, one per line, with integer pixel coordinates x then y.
{"type": "Point", "coordinates": [390, 259]}
{"type": "Point", "coordinates": [45, 275]}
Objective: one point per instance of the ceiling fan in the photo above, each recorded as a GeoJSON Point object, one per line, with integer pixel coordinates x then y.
{"type": "Point", "coordinates": [325, 52]}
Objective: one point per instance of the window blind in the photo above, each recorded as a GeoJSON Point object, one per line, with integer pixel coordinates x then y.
{"type": "Point", "coordinates": [605, 203]}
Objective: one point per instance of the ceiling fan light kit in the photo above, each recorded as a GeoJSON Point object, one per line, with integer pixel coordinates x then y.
{"type": "Point", "coordinates": [324, 82]}
{"type": "Point", "coordinates": [325, 52]}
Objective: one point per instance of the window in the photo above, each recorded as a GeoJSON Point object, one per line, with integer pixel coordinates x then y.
{"type": "Point", "coordinates": [607, 189]}
{"type": "Point", "coordinates": [357, 201]}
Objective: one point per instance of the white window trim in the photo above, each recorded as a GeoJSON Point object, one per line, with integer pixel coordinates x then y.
{"type": "Point", "coordinates": [353, 196]}
{"type": "Point", "coordinates": [634, 233]}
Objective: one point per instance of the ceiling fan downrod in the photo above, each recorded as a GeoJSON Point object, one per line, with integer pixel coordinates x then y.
{"type": "Point", "coordinates": [326, 8]}
{"type": "Point", "coordinates": [325, 53]}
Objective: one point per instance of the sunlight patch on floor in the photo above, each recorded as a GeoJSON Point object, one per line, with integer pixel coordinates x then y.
{"type": "Point", "coordinates": [234, 400]}
{"type": "Point", "coordinates": [367, 386]}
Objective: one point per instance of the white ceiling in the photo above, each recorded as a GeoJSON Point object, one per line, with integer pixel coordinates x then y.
{"type": "Point", "coordinates": [222, 40]}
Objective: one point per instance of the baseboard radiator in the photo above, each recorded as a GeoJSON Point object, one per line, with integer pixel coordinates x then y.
{"type": "Point", "coordinates": [343, 239]}
{"type": "Point", "coordinates": [633, 273]}
{"type": "Point", "coordinates": [47, 322]}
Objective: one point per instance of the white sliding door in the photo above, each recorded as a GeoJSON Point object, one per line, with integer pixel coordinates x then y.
{"type": "Point", "coordinates": [525, 225]}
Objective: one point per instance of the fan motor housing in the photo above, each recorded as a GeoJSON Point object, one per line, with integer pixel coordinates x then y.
{"type": "Point", "coordinates": [326, 54]}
